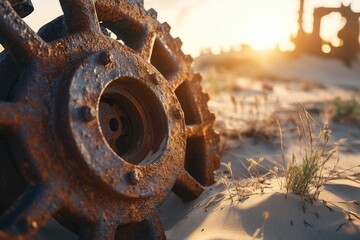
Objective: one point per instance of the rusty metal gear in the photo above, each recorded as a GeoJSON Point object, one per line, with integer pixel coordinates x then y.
{"type": "Point", "coordinates": [96, 132]}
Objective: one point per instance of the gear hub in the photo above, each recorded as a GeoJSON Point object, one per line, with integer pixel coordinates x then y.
{"type": "Point", "coordinates": [94, 131]}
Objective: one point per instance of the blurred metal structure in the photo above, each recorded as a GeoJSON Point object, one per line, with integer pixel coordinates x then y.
{"type": "Point", "coordinates": [348, 35]}
{"type": "Point", "coordinates": [101, 116]}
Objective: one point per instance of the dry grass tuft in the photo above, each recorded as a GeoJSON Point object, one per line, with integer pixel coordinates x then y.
{"type": "Point", "coordinates": [346, 110]}
{"type": "Point", "coordinates": [242, 187]}
{"type": "Point", "coordinates": [306, 176]}
{"type": "Point", "coordinates": [251, 120]}
{"type": "Point", "coordinates": [259, 124]}
{"type": "Point", "coordinates": [236, 190]}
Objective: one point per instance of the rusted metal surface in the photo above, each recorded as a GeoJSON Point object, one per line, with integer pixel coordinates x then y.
{"type": "Point", "coordinates": [96, 132]}
{"type": "Point", "coordinates": [22, 7]}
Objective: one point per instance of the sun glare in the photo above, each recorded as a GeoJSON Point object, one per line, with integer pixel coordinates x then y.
{"type": "Point", "coordinates": [227, 24]}
{"type": "Point", "coordinates": [266, 34]}
{"type": "Point", "coordinates": [261, 24]}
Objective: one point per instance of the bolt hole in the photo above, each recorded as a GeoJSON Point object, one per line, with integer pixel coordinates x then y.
{"type": "Point", "coordinates": [114, 124]}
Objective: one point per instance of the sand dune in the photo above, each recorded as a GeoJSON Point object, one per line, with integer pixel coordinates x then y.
{"type": "Point", "coordinates": [260, 208]}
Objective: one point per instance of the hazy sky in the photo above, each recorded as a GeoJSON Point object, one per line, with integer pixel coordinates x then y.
{"type": "Point", "coordinates": [224, 23]}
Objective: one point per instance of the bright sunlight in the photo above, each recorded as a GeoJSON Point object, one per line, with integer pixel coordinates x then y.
{"type": "Point", "coordinates": [222, 25]}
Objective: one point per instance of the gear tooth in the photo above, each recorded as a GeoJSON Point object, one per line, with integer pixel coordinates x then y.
{"type": "Point", "coordinates": [152, 13]}
{"type": "Point", "coordinates": [166, 27]}
{"type": "Point", "coordinates": [178, 42]}
{"type": "Point", "coordinates": [189, 58]}
{"type": "Point", "coordinates": [206, 97]}
{"type": "Point", "coordinates": [198, 77]}
{"type": "Point", "coordinates": [217, 137]}
{"type": "Point", "coordinates": [140, 2]}
{"type": "Point", "coordinates": [216, 158]}
{"type": "Point", "coordinates": [212, 117]}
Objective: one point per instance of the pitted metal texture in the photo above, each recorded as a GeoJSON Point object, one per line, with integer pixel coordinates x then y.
{"type": "Point", "coordinates": [101, 116]}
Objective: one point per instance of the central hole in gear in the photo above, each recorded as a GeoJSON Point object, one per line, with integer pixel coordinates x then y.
{"type": "Point", "coordinates": [133, 121]}
{"type": "Point", "coordinates": [114, 124]}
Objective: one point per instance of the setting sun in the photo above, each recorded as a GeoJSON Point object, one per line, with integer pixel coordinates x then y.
{"type": "Point", "coordinates": [263, 38]}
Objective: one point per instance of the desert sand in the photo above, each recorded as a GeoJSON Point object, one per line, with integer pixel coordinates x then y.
{"type": "Point", "coordinates": [253, 204]}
